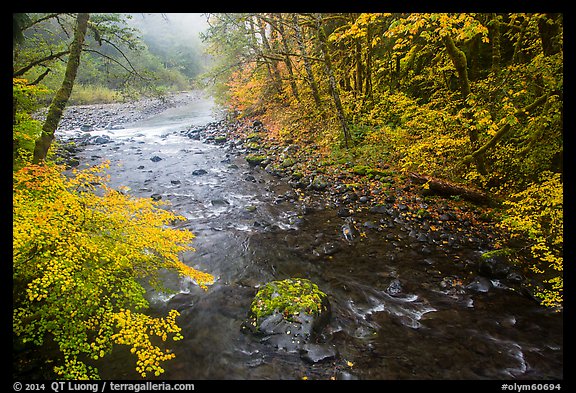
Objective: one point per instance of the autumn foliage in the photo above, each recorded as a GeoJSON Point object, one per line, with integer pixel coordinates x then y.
{"type": "Point", "coordinates": [473, 98]}
{"type": "Point", "coordinates": [82, 252]}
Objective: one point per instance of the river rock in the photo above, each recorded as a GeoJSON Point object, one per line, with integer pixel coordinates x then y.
{"type": "Point", "coordinates": [288, 313]}
{"type": "Point", "coordinates": [155, 159]}
{"type": "Point", "coordinates": [493, 267]}
{"type": "Point", "coordinates": [394, 288]}
{"type": "Point", "coordinates": [199, 172]}
{"type": "Point", "coordinates": [219, 202]}
{"type": "Point", "coordinates": [319, 184]}
{"type": "Point", "coordinates": [315, 353]}
{"type": "Point", "coordinates": [344, 212]}
{"type": "Point", "coordinates": [479, 284]}
{"type": "Point", "coordinates": [101, 139]}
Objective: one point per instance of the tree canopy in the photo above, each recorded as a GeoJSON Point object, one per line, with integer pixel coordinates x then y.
{"type": "Point", "coordinates": [475, 98]}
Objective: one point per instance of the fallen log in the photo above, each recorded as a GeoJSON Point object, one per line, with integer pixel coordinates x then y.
{"type": "Point", "coordinates": [445, 188]}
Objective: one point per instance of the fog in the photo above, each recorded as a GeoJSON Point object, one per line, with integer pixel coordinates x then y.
{"type": "Point", "coordinates": [185, 26]}
{"type": "Point", "coordinates": [175, 39]}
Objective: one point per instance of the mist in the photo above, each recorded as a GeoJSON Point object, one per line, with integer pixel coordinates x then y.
{"type": "Point", "coordinates": [175, 39]}
{"type": "Point", "coordinates": [182, 25]}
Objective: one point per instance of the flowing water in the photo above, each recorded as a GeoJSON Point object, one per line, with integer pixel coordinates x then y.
{"type": "Point", "coordinates": [396, 310]}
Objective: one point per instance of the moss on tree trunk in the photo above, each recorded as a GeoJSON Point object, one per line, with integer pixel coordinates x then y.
{"type": "Point", "coordinates": [61, 98]}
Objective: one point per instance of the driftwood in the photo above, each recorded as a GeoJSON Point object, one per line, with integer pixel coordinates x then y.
{"type": "Point", "coordinates": [446, 188]}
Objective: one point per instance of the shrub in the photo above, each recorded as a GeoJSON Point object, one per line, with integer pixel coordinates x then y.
{"type": "Point", "coordinates": [536, 214]}
{"type": "Point", "coordinates": [81, 254]}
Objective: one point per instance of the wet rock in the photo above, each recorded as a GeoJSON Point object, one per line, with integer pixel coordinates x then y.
{"type": "Point", "coordinates": [219, 202]}
{"type": "Point", "coordinates": [344, 212]}
{"type": "Point", "coordinates": [444, 217]}
{"type": "Point", "coordinates": [86, 127]}
{"type": "Point", "coordinates": [156, 197]}
{"type": "Point", "coordinates": [255, 159]}
{"type": "Point", "coordinates": [515, 278]}
{"type": "Point", "coordinates": [299, 184]}
{"type": "Point", "coordinates": [394, 288]}
{"type": "Point", "coordinates": [480, 284]}
{"type": "Point", "coordinates": [346, 376]}
{"type": "Point", "coordinates": [220, 139]}
{"type": "Point", "coordinates": [327, 249]}
{"type": "Point", "coordinates": [199, 172]}
{"type": "Point", "coordinates": [175, 182]}
{"type": "Point", "coordinates": [288, 313]}
{"type": "Point", "coordinates": [494, 266]}
{"type": "Point", "coordinates": [381, 209]}
{"type": "Point", "coordinates": [72, 162]}
{"type": "Point", "coordinates": [370, 225]}
{"type": "Point", "coordinates": [155, 159]}
{"type": "Point", "coordinates": [315, 353]}
{"type": "Point", "coordinates": [100, 140]}
{"type": "Point", "coordinates": [349, 231]}
{"type": "Point", "coordinates": [319, 184]}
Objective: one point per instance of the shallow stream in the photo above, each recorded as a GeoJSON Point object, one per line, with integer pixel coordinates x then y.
{"type": "Point", "coordinates": [399, 310]}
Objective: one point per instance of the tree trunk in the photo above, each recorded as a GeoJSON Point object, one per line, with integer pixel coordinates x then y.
{"type": "Point", "coordinates": [63, 94]}
{"type": "Point", "coordinates": [549, 30]}
{"type": "Point", "coordinates": [444, 188]}
{"type": "Point", "coordinates": [275, 74]}
{"type": "Point", "coordinates": [459, 60]}
{"type": "Point", "coordinates": [495, 30]}
{"type": "Point", "coordinates": [368, 74]}
{"type": "Point", "coordinates": [517, 55]}
{"type": "Point", "coordinates": [307, 66]}
{"type": "Point", "coordinates": [287, 58]}
{"type": "Point", "coordinates": [358, 81]}
{"type": "Point", "coordinates": [332, 80]}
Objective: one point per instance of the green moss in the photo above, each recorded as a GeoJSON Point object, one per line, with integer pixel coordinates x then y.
{"type": "Point", "coordinates": [255, 159]}
{"type": "Point", "coordinates": [289, 297]}
{"type": "Point", "coordinates": [365, 170]}
{"type": "Point", "coordinates": [503, 252]}
{"type": "Point", "coordinates": [254, 137]}
{"type": "Point", "coordinates": [288, 162]}
{"type": "Point", "coordinates": [252, 145]}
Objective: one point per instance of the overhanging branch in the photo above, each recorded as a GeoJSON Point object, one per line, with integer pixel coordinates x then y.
{"type": "Point", "coordinates": [505, 128]}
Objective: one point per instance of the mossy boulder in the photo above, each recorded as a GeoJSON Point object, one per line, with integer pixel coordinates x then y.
{"type": "Point", "coordinates": [364, 170]}
{"type": "Point", "coordinates": [288, 313]}
{"type": "Point", "coordinates": [255, 159]}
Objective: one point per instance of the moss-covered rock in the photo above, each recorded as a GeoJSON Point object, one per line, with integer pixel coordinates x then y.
{"type": "Point", "coordinates": [255, 159]}
{"type": "Point", "coordinates": [288, 312]}
{"type": "Point", "coordinates": [290, 297]}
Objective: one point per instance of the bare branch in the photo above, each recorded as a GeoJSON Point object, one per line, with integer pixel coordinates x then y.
{"type": "Point", "coordinates": [27, 68]}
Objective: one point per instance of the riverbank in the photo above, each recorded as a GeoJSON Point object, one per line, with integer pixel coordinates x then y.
{"type": "Point", "coordinates": [116, 115]}
{"type": "Point", "coordinates": [371, 199]}
{"type": "Point", "coordinates": [410, 295]}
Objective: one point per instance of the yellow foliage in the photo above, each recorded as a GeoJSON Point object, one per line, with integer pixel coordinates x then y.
{"type": "Point", "coordinates": [536, 214]}
{"type": "Point", "coordinates": [80, 252]}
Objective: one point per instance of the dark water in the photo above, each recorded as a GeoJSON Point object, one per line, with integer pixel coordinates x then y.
{"type": "Point", "coordinates": [399, 310]}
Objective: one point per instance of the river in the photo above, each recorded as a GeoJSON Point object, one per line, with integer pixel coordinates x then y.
{"type": "Point", "coordinates": [399, 310]}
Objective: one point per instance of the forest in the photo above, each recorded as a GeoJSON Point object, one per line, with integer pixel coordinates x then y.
{"type": "Point", "coordinates": [475, 99]}
{"type": "Point", "coordinates": [465, 106]}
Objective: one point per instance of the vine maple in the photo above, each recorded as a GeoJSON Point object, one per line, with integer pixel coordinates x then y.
{"type": "Point", "coordinates": [82, 252]}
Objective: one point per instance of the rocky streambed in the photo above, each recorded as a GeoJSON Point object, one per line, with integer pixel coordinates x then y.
{"type": "Point", "coordinates": [409, 293]}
